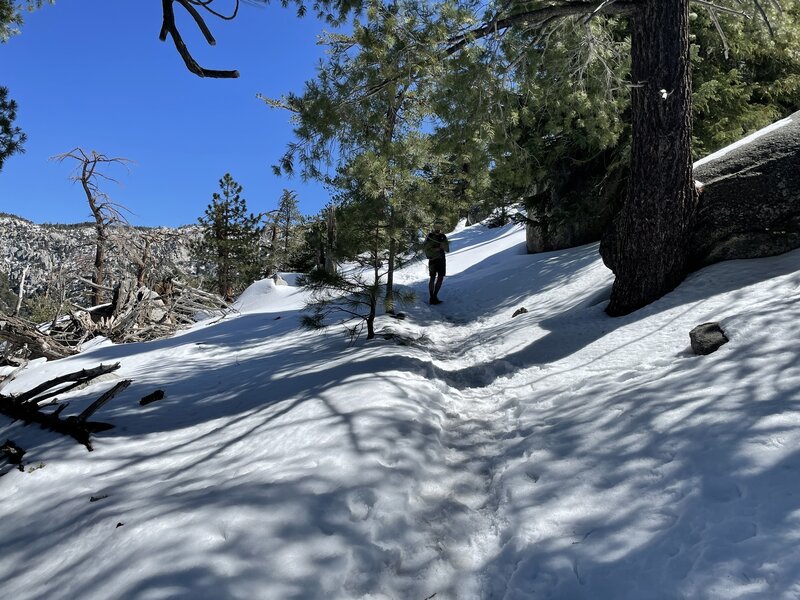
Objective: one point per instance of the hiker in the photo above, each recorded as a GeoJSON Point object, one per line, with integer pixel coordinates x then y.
{"type": "Point", "coordinates": [435, 246]}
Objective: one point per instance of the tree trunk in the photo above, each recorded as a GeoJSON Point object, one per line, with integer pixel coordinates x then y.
{"type": "Point", "coordinates": [98, 277]}
{"type": "Point", "coordinates": [141, 267]}
{"type": "Point", "coordinates": [21, 292]}
{"type": "Point", "coordinates": [373, 305]}
{"type": "Point", "coordinates": [330, 242]}
{"type": "Point", "coordinates": [99, 266]}
{"type": "Point", "coordinates": [389, 299]}
{"type": "Point", "coordinates": [287, 225]}
{"type": "Point", "coordinates": [647, 244]}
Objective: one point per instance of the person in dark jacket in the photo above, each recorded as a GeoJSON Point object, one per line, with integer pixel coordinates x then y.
{"type": "Point", "coordinates": [435, 247]}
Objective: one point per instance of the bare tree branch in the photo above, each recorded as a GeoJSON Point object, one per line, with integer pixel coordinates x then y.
{"type": "Point", "coordinates": [721, 33]}
{"type": "Point", "coordinates": [564, 9]}
{"type": "Point", "coordinates": [169, 27]}
{"type": "Point", "coordinates": [764, 16]}
{"type": "Point", "coordinates": [715, 7]}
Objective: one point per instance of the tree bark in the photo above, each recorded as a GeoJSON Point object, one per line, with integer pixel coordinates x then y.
{"type": "Point", "coordinates": [373, 304]}
{"type": "Point", "coordinates": [330, 241]}
{"type": "Point", "coordinates": [27, 406]}
{"type": "Point", "coordinates": [646, 247]}
{"type": "Point", "coordinates": [98, 277]}
{"type": "Point", "coordinates": [99, 266]}
{"type": "Point", "coordinates": [389, 299]}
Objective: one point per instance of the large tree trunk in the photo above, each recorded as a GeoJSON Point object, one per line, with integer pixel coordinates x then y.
{"type": "Point", "coordinates": [647, 245]}
{"type": "Point", "coordinates": [330, 241]}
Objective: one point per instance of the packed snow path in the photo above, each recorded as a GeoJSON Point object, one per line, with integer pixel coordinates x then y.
{"type": "Point", "coordinates": [462, 454]}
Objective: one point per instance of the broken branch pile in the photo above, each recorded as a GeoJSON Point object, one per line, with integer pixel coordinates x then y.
{"type": "Point", "coordinates": [136, 314]}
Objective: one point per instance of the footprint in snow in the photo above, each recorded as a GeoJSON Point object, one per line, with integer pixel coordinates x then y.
{"type": "Point", "coordinates": [738, 530]}
{"type": "Point", "coordinates": [721, 490]}
{"type": "Point", "coordinates": [360, 503]}
{"type": "Point", "coordinates": [627, 376]}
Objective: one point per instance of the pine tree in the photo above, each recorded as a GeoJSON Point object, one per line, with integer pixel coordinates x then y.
{"type": "Point", "coordinates": [288, 238]}
{"type": "Point", "coordinates": [11, 15]}
{"type": "Point", "coordinates": [373, 139]}
{"type": "Point", "coordinates": [231, 239]}
{"type": "Point", "coordinates": [8, 299]}
{"type": "Point", "coordinates": [744, 76]}
{"type": "Point", "coordinates": [11, 138]}
{"type": "Point", "coordinates": [646, 246]}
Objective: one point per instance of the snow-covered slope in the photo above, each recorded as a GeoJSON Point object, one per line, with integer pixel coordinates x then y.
{"type": "Point", "coordinates": [468, 455]}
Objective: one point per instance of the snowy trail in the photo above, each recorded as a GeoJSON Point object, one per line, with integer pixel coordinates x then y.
{"type": "Point", "coordinates": [647, 476]}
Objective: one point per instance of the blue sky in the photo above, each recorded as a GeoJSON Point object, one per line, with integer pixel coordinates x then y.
{"type": "Point", "coordinates": [93, 73]}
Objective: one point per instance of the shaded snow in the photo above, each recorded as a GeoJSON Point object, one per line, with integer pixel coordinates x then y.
{"type": "Point", "coordinates": [559, 454]}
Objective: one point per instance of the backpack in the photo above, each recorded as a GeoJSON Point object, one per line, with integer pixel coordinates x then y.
{"type": "Point", "coordinates": [431, 248]}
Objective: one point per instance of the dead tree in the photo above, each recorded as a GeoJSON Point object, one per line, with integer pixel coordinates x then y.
{"type": "Point", "coordinates": [135, 314]}
{"type": "Point", "coordinates": [21, 292]}
{"type": "Point", "coordinates": [140, 314]}
{"type": "Point", "coordinates": [140, 247]}
{"type": "Point", "coordinates": [28, 406]}
{"type": "Point", "coordinates": [105, 212]}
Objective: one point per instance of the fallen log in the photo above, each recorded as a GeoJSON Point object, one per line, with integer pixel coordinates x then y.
{"type": "Point", "coordinates": [27, 406]}
{"type": "Point", "coordinates": [153, 397]}
{"type": "Point", "coordinates": [80, 431]}
{"type": "Point", "coordinates": [97, 404]}
{"type": "Point", "coordinates": [21, 333]}
{"type": "Point", "coordinates": [77, 378]}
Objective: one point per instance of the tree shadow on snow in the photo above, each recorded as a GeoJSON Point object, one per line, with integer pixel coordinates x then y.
{"type": "Point", "coordinates": [680, 497]}
{"type": "Point", "coordinates": [585, 321]}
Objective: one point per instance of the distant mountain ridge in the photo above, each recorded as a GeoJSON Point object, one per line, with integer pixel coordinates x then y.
{"type": "Point", "coordinates": [68, 249]}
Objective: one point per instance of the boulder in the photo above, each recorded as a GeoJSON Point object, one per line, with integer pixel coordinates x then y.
{"type": "Point", "coordinates": [750, 203]}
{"type": "Point", "coordinates": [577, 205]}
{"type": "Point", "coordinates": [707, 338]}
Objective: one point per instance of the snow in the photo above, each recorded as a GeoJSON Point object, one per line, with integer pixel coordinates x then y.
{"type": "Point", "coordinates": [471, 455]}
{"type": "Point", "coordinates": [743, 142]}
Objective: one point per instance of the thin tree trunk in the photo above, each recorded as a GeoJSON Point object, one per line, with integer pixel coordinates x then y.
{"type": "Point", "coordinates": [376, 285]}
{"type": "Point", "coordinates": [141, 267]}
{"type": "Point", "coordinates": [373, 308]}
{"type": "Point", "coordinates": [371, 325]}
{"type": "Point", "coordinates": [395, 104]}
{"type": "Point", "coordinates": [286, 240]}
{"type": "Point", "coordinates": [21, 292]}
{"type": "Point", "coordinates": [389, 300]}
{"type": "Point", "coordinates": [646, 247]}
{"type": "Point", "coordinates": [98, 277]}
